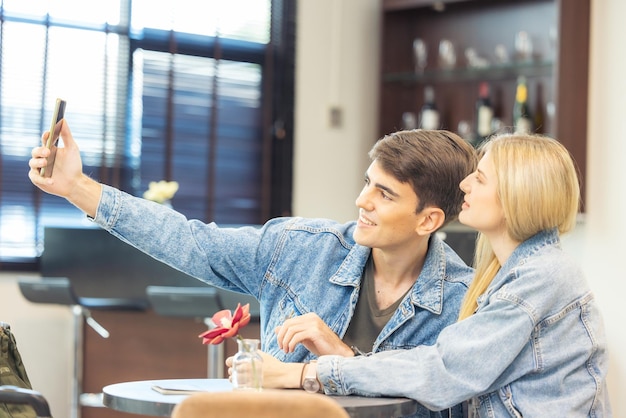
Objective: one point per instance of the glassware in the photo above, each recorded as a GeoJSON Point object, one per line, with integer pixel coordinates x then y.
{"type": "Point", "coordinates": [464, 129]}
{"type": "Point", "coordinates": [420, 54]}
{"type": "Point", "coordinates": [429, 114]}
{"type": "Point", "coordinates": [409, 121]}
{"type": "Point", "coordinates": [247, 366]}
{"type": "Point", "coordinates": [474, 60]}
{"type": "Point", "coordinates": [553, 38]}
{"type": "Point", "coordinates": [501, 54]}
{"type": "Point", "coordinates": [447, 54]}
{"type": "Point", "coordinates": [523, 46]}
{"type": "Point", "coordinates": [522, 120]}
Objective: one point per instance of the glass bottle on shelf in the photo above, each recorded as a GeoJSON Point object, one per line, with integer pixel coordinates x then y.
{"type": "Point", "coordinates": [484, 113]}
{"type": "Point", "coordinates": [539, 119]}
{"type": "Point", "coordinates": [522, 120]}
{"type": "Point", "coordinates": [429, 114]}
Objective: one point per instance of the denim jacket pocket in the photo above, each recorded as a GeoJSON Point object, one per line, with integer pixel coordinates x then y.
{"type": "Point", "coordinates": [506, 396]}
{"type": "Point", "coordinates": [286, 308]}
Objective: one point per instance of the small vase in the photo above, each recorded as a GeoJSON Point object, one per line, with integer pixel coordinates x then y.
{"type": "Point", "coordinates": [247, 366]}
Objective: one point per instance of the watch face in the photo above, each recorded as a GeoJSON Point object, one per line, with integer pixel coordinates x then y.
{"type": "Point", "coordinates": [311, 385]}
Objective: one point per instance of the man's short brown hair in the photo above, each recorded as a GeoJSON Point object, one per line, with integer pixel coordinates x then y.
{"type": "Point", "coordinates": [433, 162]}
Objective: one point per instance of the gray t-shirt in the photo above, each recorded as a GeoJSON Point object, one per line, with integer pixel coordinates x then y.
{"type": "Point", "coordinates": [368, 321]}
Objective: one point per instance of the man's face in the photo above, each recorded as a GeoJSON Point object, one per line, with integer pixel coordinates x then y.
{"type": "Point", "coordinates": [387, 217]}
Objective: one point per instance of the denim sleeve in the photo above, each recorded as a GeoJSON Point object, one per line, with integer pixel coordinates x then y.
{"type": "Point", "coordinates": [452, 370]}
{"type": "Point", "coordinates": [230, 258]}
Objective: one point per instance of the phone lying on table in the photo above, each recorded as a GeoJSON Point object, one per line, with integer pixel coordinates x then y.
{"type": "Point", "coordinates": [53, 137]}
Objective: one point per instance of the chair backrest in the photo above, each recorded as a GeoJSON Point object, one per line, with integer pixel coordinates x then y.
{"type": "Point", "coordinates": [190, 302]}
{"type": "Point", "coordinates": [56, 290]}
{"type": "Point", "coordinates": [265, 404]}
{"type": "Point", "coordinates": [13, 395]}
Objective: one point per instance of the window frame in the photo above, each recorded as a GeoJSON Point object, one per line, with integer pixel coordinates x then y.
{"type": "Point", "coordinates": [278, 62]}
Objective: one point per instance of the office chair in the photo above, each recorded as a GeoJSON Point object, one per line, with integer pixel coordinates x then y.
{"type": "Point", "coordinates": [266, 404]}
{"type": "Point", "coordinates": [22, 396]}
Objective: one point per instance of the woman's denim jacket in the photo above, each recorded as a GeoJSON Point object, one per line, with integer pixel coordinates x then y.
{"type": "Point", "coordinates": [292, 266]}
{"type": "Point", "coordinates": [534, 348]}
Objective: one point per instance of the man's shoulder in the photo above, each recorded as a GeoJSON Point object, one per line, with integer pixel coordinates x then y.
{"type": "Point", "coordinates": [455, 269]}
{"type": "Point", "coordinates": [321, 226]}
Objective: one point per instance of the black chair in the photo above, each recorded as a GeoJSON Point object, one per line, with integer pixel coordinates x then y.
{"type": "Point", "coordinates": [22, 396]}
{"type": "Point", "coordinates": [59, 291]}
{"type": "Point", "coordinates": [194, 302]}
{"type": "Point", "coordinates": [191, 302]}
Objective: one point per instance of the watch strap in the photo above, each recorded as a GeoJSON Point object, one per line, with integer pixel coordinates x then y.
{"type": "Point", "coordinates": [311, 372]}
{"type": "Point", "coordinates": [310, 382]}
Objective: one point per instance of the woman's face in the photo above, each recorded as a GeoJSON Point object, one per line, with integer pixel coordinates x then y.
{"type": "Point", "coordinates": [481, 208]}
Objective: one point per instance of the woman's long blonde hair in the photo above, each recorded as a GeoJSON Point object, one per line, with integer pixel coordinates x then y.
{"type": "Point", "coordinates": [539, 190]}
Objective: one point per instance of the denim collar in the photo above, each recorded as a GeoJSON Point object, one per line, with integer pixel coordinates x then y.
{"type": "Point", "coordinates": [427, 292]}
{"type": "Point", "coordinates": [531, 246]}
{"type": "Point", "coordinates": [534, 244]}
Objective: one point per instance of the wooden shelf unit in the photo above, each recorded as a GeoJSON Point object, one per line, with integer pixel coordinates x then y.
{"type": "Point", "coordinates": [557, 76]}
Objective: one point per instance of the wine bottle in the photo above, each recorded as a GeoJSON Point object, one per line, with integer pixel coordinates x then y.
{"type": "Point", "coordinates": [429, 114]}
{"type": "Point", "coordinates": [539, 111]}
{"type": "Point", "coordinates": [484, 113]}
{"type": "Point", "coordinates": [522, 120]}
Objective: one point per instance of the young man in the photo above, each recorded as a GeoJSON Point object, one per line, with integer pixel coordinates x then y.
{"type": "Point", "coordinates": [383, 282]}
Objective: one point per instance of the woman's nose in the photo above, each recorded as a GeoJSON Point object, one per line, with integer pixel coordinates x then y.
{"type": "Point", "coordinates": [463, 185]}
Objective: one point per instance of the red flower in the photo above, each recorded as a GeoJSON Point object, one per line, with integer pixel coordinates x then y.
{"type": "Point", "coordinates": [226, 325]}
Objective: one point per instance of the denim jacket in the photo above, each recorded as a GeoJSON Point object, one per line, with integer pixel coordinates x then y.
{"type": "Point", "coordinates": [292, 266]}
{"type": "Point", "coordinates": [534, 348]}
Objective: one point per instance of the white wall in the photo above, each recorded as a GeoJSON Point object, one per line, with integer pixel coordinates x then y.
{"type": "Point", "coordinates": [606, 198]}
{"type": "Point", "coordinates": [44, 340]}
{"type": "Point", "coordinates": [337, 65]}
{"type": "Point", "coordinates": [330, 164]}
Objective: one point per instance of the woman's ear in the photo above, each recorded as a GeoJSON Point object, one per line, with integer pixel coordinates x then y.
{"type": "Point", "coordinates": [430, 220]}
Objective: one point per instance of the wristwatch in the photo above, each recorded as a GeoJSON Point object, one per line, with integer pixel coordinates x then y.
{"type": "Point", "coordinates": [310, 383]}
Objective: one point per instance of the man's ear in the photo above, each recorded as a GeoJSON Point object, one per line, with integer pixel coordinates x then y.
{"type": "Point", "coordinates": [430, 220]}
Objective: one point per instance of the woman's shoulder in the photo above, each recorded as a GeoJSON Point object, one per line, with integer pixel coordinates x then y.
{"type": "Point", "coordinates": [545, 282]}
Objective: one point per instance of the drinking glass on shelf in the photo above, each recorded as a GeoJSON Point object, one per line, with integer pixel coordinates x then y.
{"type": "Point", "coordinates": [409, 121]}
{"type": "Point", "coordinates": [474, 60]}
{"type": "Point", "coordinates": [447, 54]}
{"type": "Point", "coordinates": [465, 131]}
{"type": "Point", "coordinates": [553, 38]}
{"type": "Point", "coordinates": [420, 54]}
{"type": "Point", "coordinates": [523, 46]}
{"type": "Point", "coordinates": [501, 54]}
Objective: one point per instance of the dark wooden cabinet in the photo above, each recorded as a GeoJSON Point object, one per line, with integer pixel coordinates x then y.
{"type": "Point", "coordinates": [557, 73]}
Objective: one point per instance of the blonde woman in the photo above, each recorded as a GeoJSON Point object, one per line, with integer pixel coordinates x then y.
{"type": "Point", "coordinates": [530, 340]}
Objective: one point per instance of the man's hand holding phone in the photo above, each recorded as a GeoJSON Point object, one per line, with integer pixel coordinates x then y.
{"type": "Point", "coordinates": [69, 181]}
{"type": "Point", "coordinates": [53, 136]}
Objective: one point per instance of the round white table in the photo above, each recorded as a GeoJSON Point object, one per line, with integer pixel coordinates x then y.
{"type": "Point", "coordinates": [140, 398]}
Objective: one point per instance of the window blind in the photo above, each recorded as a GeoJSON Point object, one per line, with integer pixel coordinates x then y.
{"type": "Point", "coordinates": [155, 89]}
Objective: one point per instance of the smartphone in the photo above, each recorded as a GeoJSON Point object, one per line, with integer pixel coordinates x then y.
{"type": "Point", "coordinates": [53, 137]}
